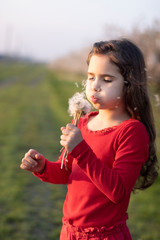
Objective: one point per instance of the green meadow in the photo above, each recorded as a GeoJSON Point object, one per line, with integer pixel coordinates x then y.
{"type": "Point", "coordinates": [33, 107]}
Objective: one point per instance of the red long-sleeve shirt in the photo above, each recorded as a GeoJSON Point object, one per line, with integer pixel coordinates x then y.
{"type": "Point", "coordinates": [102, 171]}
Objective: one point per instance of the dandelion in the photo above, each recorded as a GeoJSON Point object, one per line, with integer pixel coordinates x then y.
{"type": "Point", "coordinates": [78, 106]}
{"type": "Point", "coordinates": [84, 83]}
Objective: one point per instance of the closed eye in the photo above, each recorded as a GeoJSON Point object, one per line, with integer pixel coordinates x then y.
{"type": "Point", "coordinates": [108, 80]}
{"type": "Point", "coordinates": [91, 78]}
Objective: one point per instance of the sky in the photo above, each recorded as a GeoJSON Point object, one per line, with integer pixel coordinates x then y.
{"type": "Point", "coordinates": [49, 29]}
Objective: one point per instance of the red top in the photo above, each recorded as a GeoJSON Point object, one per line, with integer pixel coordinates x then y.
{"type": "Point", "coordinates": [103, 170]}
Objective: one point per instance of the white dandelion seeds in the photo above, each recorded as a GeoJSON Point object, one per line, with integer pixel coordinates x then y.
{"type": "Point", "coordinates": [84, 83]}
{"type": "Point", "coordinates": [78, 106]}
{"type": "Point", "coordinates": [77, 85]}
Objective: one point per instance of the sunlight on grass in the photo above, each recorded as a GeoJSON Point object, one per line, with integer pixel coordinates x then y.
{"type": "Point", "coordinates": [33, 106]}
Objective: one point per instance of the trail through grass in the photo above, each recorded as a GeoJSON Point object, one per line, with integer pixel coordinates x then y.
{"type": "Point", "coordinates": [33, 106]}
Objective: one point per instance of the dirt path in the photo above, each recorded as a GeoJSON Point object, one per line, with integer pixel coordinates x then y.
{"type": "Point", "coordinates": [8, 82]}
{"type": "Point", "coordinates": [37, 80]}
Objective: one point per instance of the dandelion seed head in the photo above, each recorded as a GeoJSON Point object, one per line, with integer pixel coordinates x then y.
{"type": "Point", "coordinates": [78, 103]}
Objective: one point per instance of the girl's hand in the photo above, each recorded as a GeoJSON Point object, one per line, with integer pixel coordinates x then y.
{"type": "Point", "coordinates": [33, 161]}
{"type": "Point", "coordinates": [71, 137]}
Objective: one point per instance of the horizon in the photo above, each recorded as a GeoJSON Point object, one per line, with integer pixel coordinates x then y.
{"type": "Point", "coordinates": [49, 30]}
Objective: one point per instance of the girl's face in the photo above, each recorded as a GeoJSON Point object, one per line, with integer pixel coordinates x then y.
{"type": "Point", "coordinates": [104, 88]}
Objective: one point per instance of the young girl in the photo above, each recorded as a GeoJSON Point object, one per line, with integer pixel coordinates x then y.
{"type": "Point", "coordinates": [111, 152]}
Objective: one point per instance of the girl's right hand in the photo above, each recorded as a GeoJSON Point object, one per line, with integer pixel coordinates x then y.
{"type": "Point", "coordinates": [33, 161]}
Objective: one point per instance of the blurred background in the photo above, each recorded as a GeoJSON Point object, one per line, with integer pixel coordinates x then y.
{"type": "Point", "coordinates": [43, 50]}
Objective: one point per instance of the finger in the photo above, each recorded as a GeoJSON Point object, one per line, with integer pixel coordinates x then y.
{"type": "Point", "coordinates": [63, 143]}
{"type": "Point", "coordinates": [66, 131]}
{"type": "Point", "coordinates": [62, 128]}
{"type": "Point", "coordinates": [29, 162]}
{"type": "Point", "coordinates": [69, 126]}
{"type": "Point", "coordinates": [39, 156]}
{"type": "Point", "coordinates": [66, 137]}
{"type": "Point", "coordinates": [30, 159]}
{"type": "Point", "coordinates": [23, 166]}
{"type": "Point", "coordinates": [62, 137]}
{"type": "Point", "coordinates": [32, 153]}
{"type": "Point", "coordinates": [26, 167]}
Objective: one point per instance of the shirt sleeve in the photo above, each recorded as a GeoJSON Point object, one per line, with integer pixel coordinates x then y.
{"type": "Point", "coordinates": [53, 173]}
{"type": "Point", "coordinates": [131, 152]}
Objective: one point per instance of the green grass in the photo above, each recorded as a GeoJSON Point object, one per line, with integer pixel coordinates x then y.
{"type": "Point", "coordinates": [33, 106]}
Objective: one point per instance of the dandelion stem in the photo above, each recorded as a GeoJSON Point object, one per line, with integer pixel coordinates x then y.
{"type": "Point", "coordinates": [65, 155]}
{"type": "Point", "coordinates": [78, 106]}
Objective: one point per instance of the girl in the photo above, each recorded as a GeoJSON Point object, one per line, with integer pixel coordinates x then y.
{"type": "Point", "coordinates": [111, 152]}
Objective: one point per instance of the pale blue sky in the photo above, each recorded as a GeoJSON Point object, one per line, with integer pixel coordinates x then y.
{"type": "Point", "coordinates": [47, 29]}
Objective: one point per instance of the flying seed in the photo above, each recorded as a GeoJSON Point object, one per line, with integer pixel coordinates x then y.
{"type": "Point", "coordinates": [157, 99]}
{"type": "Point", "coordinates": [77, 85]}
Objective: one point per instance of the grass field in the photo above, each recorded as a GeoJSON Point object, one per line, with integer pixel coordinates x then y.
{"type": "Point", "coordinates": [33, 106]}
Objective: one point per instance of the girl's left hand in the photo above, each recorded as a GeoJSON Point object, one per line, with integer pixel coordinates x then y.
{"type": "Point", "coordinates": [71, 137]}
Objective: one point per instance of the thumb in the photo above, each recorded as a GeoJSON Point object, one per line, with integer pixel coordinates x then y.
{"type": "Point", "coordinates": [32, 153]}
{"type": "Point", "coordinates": [39, 156]}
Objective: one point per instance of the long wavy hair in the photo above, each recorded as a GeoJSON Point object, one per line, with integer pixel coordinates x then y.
{"type": "Point", "coordinates": [130, 61]}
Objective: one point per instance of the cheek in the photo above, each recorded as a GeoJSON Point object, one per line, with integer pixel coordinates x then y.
{"type": "Point", "coordinates": [114, 93]}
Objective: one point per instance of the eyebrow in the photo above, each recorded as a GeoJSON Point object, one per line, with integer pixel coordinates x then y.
{"type": "Point", "coordinates": [103, 75]}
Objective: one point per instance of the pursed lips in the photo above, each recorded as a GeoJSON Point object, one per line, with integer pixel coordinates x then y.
{"type": "Point", "coordinates": [94, 99]}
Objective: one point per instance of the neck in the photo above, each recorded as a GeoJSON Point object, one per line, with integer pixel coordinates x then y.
{"type": "Point", "coordinates": [117, 115]}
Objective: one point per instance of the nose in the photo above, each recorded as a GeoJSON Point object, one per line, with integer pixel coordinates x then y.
{"type": "Point", "coordinates": [96, 85]}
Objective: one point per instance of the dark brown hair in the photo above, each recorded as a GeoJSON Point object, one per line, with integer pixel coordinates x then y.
{"type": "Point", "coordinates": [130, 61]}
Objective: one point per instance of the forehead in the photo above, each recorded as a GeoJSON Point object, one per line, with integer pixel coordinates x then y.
{"type": "Point", "coordinates": [101, 64]}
